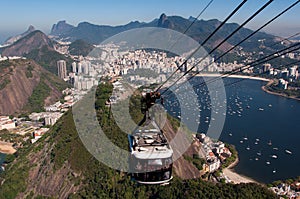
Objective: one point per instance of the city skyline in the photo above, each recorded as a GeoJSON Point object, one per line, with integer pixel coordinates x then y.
{"type": "Point", "coordinates": [19, 15]}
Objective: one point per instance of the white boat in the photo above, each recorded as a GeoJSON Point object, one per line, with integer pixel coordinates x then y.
{"type": "Point", "coordinates": [275, 148]}
{"type": "Point", "coordinates": [260, 109]}
{"type": "Point", "coordinates": [270, 143]}
{"type": "Point", "coordinates": [248, 148]}
{"type": "Point", "coordinates": [241, 141]}
{"type": "Point", "coordinates": [274, 156]}
{"type": "Point", "coordinates": [268, 163]}
{"type": "Point", "coordinates": [258, 153]}
{"type": "Point", "coordinates": [230, 134]}
{"type": "Point", "coordinates": [274, 171]}
{"type": "Point", "coordinates": [256, 159]}
{"type": "Point", "coordinates": [288, 152]}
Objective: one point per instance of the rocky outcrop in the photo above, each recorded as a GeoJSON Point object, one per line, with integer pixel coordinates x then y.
{"type": "Point", "coordinates": [164, 22]}
{"type": "Point", "coordinates": [182, 168]}
{"type": "Point", "coordinates": [60, 28]}
{"type": "Point", "coordinates": [21, 78]}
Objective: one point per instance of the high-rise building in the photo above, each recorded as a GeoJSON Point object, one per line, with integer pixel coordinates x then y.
{"type": "Point", "coordinates": [62, 69]}
{"type": "Point", "coordinates": [74, 69]}
{"type": "Point", "coordinates": [79, 68]}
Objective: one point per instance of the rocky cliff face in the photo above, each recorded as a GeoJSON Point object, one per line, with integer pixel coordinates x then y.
{"type": "Point", "coordinates": [164, 22]}
{"type": "Point", "coordinates": [18, 81]}
{"type": "Point", "coordinates": [60, 28]}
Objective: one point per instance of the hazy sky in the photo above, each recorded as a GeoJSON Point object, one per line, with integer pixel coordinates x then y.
{"type": "Point", "coordinates": [17, 15]}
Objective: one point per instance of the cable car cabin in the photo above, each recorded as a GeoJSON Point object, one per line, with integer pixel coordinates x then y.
{"type": "Point", "coordinates": [151, 156]}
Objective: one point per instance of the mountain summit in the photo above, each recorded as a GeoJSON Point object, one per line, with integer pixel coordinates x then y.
{"type": "Point", "coordinates": [164, 22]}
{"type": "Point", "coordinates": [13, 39]}
{"type": "Point", "coordinates": [32, 41]}
{"type": "Point", "coordinates": [60, 28]}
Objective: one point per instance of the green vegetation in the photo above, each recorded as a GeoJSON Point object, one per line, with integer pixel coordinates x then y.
{"type": "Point", "coordinates": [232, 158]}
{"type": "Point", "coordinates": [43, 90]}
{"type": "Point", "coordinates": [174, 122]}
{"type": "Point", "coordinates": [6, 136]}
{"type": "Point", "coordinates": [63, 146]}
{"type": "Point", "coordinates": [287, 92]}
{"type": "Point", "coordinates": [4, 64]}
{"type": "Point", "coordinates": [48, 58]}
{"type": "Point", "coordinates": [39, 94]}
{"type": "Point", "coordinates": [287, 181]}
{"type": "Point", "coordinates": [29, 71]}
{"type": "Point", "coordinates": [4, 83]}
{"type": "Point", "coordinates": [80, 47]}
{"type": "Point", "coordinates": [196, 160]}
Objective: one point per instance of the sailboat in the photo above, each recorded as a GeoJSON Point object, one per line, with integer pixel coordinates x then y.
{"type": "Point", "coordinates": [270, 143]}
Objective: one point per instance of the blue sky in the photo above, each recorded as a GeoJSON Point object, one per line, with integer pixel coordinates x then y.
{"type": "Point", "coordinates": [17, 15]}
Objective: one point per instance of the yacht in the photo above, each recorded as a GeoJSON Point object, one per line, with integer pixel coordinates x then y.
{"type": "Point", "coordinates": [288, 152]}
{"type": "Point", "coordinates": [274, 156]}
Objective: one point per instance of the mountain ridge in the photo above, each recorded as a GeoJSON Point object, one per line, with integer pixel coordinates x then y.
{"type": "Point", "coordinates": [95, 34]}
{"type": "Point", "coordinates": [38, 47]}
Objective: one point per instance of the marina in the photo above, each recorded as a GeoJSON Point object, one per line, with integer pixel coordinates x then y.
{"type": "Point", "coordinates": [269, 133]}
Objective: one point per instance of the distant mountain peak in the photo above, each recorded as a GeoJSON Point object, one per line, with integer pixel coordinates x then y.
{"type": "Point", "coordinates": [31, 28]}
{"type": "Point", "coordinates": [60, 28]}
{"type": "Point", "coordinates": [191, 18]}
{"type": "Point", "coordinates": [13, 39]}
{"type": "Point", "coordinates": [164, 22]}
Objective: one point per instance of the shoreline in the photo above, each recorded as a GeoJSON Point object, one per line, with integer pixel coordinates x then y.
{"type": "Point", "coordinates": [235, 177]}
{"type": "Point", "coordinates": [270, 81]}
{"type": "Point", "coordinates": [7, 148]}
{"type": "Point", "coordinates": [278, 94]}
{"type": "Point", "coordinates": [233, 76]}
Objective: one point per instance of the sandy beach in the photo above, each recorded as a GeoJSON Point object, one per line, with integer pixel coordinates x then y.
{"type": "Point", "coordinates": [233, 76]}
{"type": "Point", "coordinates": [6, 147]}
{"type": "Point", "coordinates": [235, 177]}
